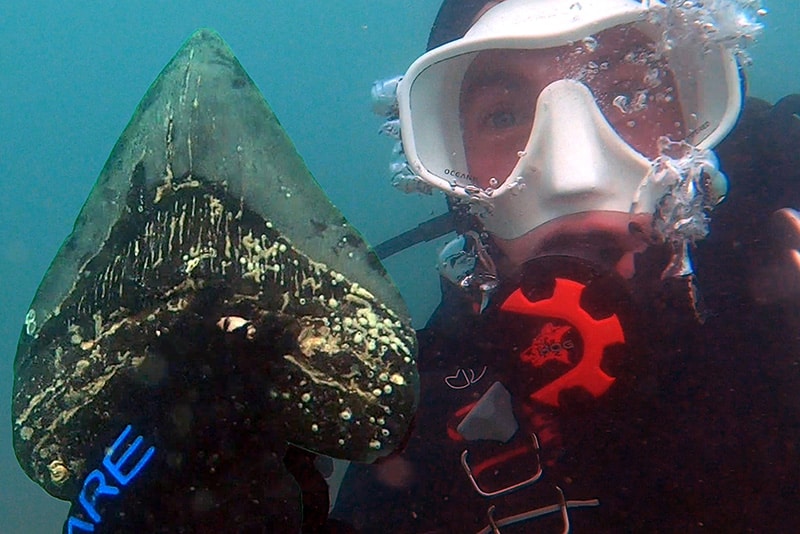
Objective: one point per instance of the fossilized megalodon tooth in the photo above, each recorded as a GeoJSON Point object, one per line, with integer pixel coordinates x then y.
{"type": "Point", "coordinates": [209, 284]}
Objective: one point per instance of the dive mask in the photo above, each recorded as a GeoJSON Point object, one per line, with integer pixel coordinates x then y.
{"type": "Point", "coordinates": [548, 108]}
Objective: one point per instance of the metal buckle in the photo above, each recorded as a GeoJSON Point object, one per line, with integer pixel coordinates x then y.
{"type": "Point", "coordinates": [563, 506]}
{"type": "Point", "coordinates": [536, 476]}
{"type": "Point", "coordinates": [492, 523]}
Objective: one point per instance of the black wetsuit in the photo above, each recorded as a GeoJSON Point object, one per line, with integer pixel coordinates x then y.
{"type": "Point", "coordinates": [698, 430]}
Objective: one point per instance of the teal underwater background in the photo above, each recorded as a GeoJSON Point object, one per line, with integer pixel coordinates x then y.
{"type": "Point", "coordinates": [72, 73]}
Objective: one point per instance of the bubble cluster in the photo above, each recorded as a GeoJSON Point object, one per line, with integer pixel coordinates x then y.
{"type": "Point", "coordinates": [631, 104]}
{"type": "Point", "coordinates": [733, 24]}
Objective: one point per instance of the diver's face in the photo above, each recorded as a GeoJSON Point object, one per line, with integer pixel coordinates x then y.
{"type": "Point", "coordinates": [632, 87]}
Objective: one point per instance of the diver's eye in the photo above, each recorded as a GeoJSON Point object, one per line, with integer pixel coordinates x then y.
{"type": "Point", "coordinates": [500, 120]}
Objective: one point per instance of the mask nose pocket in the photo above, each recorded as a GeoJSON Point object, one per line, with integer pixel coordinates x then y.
{"type": "Point", "coordinates": [573, 147]}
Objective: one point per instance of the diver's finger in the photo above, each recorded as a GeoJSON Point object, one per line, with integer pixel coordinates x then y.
{"type": "Point", "coordinates": [786, 227]}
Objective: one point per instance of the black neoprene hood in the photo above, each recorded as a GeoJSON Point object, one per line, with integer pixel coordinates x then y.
{"type": "Point", "coordinates": [453, 20]}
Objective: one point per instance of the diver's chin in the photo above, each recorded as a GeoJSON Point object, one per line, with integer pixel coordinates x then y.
{"type": "Point", "coordinates": [607, 239]}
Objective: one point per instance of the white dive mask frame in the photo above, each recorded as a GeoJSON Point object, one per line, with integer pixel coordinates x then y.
{"type": "Point", "coordinates": [574, 160]}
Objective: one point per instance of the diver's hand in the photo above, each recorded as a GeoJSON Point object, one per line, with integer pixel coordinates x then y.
{"type": "Point", "coordinates": [779, 278]}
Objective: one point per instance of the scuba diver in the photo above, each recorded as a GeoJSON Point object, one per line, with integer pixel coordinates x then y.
{"type": "Point", "coordinates": [616, 348]}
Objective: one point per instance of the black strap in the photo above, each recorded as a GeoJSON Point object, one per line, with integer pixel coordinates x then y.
{"type": "Point", "coordinates": [453, 20]}
{"type": "Point", "coordinates": [431, 229]}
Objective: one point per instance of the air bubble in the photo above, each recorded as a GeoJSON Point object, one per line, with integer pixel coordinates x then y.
{"type": "Point", "coordinates": [652, 78]}
{"type": "Point", "coordinates": [639, 101]}
{"type": "Point", "coordinates": [621, 103]}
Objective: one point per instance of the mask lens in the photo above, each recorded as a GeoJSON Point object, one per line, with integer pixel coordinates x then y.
{"type": "Point", "coordinates": [632, 86]}
{"type": "Point", "coordinates": [468, 116]}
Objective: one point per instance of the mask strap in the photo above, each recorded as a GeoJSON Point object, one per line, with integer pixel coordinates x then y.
{"type": "Point", "coordinates": [431, 229]}
{"type": "Point", "coordinates": [458, 218]}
